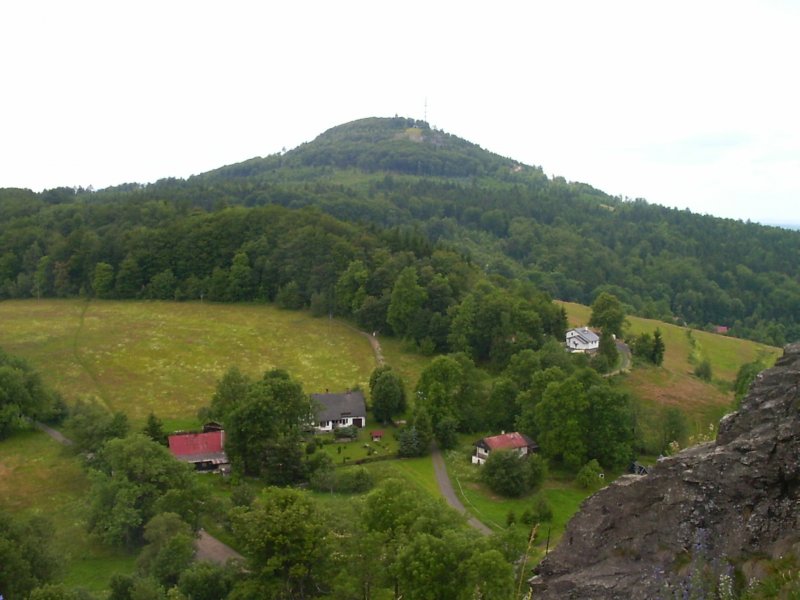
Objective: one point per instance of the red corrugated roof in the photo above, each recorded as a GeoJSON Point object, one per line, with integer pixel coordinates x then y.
{"type": "Point", "coordinates": [507, 440]}
{"type": "Point", "coordinates": [187, 444]}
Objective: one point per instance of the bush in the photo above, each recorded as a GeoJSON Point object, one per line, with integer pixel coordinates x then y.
{"type": "Point", "coordinates": [536, 470]}
{"type": "Point", "coordinates": [703, 370]}
{"type": "Point", "coordinates": [542, 509]}
{"type": "Point", "coordinates": [354, 480]}
{"type": "Point", "coordinates": [345, 432]}
{"type": "Point", "coordinates": [589, 475]}
{"type": "Point", "coordinates": [505, 473]}
{"type": "Point", "coordinates": [243, 495]}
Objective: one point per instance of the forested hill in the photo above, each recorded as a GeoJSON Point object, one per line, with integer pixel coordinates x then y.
{"type": "Point", "coordinates": [396, 145]}
{"type": "Point", "coordinates": [431, 188]}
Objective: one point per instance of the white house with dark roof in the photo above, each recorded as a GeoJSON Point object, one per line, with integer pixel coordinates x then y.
{"type": "Point", "coordinates": [347, 409]}
{"type": "Point", "coordinates": [582, 339]}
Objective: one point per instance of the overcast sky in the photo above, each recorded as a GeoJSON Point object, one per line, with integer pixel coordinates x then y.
{"type": "Point", "coordinates": [687, 104]}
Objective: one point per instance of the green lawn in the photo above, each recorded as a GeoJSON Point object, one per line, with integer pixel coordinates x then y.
{"type": "Point", "coordinates": [347, 452]}
{"type": "Point", "coordinates": [408, 364]}
{"type": "Point", "coordinates": [166, 357]}
{"type": "Point", "coordinates": [39, 477]}
{"type": "Point", "coordinates": [419, 471]}
{"type": "Point", "coordinates": [563, 496]}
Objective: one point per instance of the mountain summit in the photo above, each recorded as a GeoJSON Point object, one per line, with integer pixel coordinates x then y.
{"type": "Point", "coordinates": [398, 145]}
{"type": "Point", "coordinates": [376, 144]}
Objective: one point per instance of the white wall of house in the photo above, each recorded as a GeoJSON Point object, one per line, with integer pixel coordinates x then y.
{"type": "Point", "coordinates": [576, 344]}
{"type": "Point", "coordinates": [331, 425]}
{"type": "Point", "coordinates": [480, 455]}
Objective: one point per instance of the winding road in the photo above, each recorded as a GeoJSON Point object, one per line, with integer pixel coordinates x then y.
{"type": "Point", "coordinates": [439, 468]}
{"type": "Point", "coordinates": [446, 487]}
{"type": "Point", "coordinates": [625, 352]}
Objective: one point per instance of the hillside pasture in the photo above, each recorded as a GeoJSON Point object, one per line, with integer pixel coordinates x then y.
{"type": "Point", "coordinates": [38, 477]}
{"type": "Point", "coordinates": [674, 383]}
{"type": "Point", "coordinates": [166, 357]}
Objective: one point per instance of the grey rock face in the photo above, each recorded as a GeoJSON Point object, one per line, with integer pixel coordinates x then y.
{"type": "Point", "coordinates": [735, 500]}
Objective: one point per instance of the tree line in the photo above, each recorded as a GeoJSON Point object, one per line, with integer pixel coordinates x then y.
{"type": "Point", "coordinates": [566, 239]}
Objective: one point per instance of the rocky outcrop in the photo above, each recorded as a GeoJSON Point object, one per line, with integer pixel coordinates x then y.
{"type": "Point", "coordinates": [732, 503]}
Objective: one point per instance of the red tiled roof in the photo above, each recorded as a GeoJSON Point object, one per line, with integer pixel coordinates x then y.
{"type": "Point", "coordinates": [188, 444]}
{"type": "Point", "coordinates": [376, 433]}
{"type": "Point", "coordinates": [507, 440]}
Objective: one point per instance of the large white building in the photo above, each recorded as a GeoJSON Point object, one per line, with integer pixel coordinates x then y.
{"type": "Point", "coordinates": [582, 339]}
{"type": "Point", "coordinates": [340, 410]}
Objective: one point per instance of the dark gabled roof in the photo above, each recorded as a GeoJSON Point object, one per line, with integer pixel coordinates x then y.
{"type": "Point", "coordinates": [584, 334]}
{"type": "Point", "coordinates": [331, 407]}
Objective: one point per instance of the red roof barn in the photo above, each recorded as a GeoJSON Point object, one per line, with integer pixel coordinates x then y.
{"type": "Point", "coordinates": [206, 451]}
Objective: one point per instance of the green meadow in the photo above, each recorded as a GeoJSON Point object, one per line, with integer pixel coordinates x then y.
{"type": "Point", "coordinates": [166, 357]}
{"type": "Point", "coordinates": [39, 478]}
{"type": "Point", "coordinates": [674, 383]}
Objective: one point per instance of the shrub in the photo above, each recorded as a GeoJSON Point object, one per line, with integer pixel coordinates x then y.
{"type": "Point", "coordinates": [542, 509]}
{"type": "Point", "coordinates": [703, 370]}
{"type": "Point", "coordinates": [504, 473]}
{"type": "Point", "coordinates": [589, 475]}
{"type": "Point", "coordinates": [345, 432]}
{"type": "Point", "coordinates": [536, 468]}
{"type": "Point", "coordinates": [355, 480]}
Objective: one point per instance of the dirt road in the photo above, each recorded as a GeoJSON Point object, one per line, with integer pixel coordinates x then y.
{"type": "Point", "coordinates": [446, 487]}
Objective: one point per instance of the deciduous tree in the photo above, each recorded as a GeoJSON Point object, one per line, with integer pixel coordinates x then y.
{"type": "Point", "coordinates": [407, 298]}
{"type": "Point", "coordinates": [286, 541]}
{"type": "Point", "coordinates": [608, 314]}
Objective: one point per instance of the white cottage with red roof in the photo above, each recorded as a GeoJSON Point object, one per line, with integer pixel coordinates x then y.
{"type": "Point", "coordinates": [514, 442]}
{"type": "Point", "coordinates": [206, 451]}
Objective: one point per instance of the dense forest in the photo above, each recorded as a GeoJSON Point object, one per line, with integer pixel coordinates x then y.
{"type": "Point", "coordinates": [334, 222]}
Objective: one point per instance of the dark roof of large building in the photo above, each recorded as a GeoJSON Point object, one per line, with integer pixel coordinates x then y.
{"type": "Point", "coordinates": [584, 334]}
{"type": "Point", "coordinates": [331, 407]}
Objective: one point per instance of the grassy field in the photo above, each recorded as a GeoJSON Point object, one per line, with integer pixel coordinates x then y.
{"type": "Point", "coordinates": [38, 477]}
{"type": "Point", "coordinates": [674, 383]}
{"type": "Point", "coordinates": [166, 357]}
